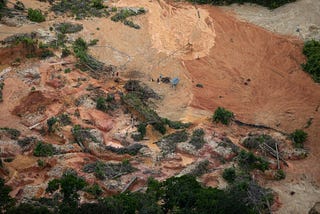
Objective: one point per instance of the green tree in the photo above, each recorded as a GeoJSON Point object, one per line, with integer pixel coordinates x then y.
{"type": "Point", "coordinates": [298, 137]}
{"type": "Point", "coordinates": [35, 15]}
{"type": "Point", "coordinates": [222, 115]}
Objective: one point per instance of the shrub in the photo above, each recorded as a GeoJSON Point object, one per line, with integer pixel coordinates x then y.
{"type": "Point", "coordinates": [43, 150]}
{"type": "Point", "coordinates": [65, 52]}
{"type": "Point", "coordinates": [12, 133]}
{"type": "Point", "coordinates": [35, 15]}
{"type": "Point", "coordinates": [280, 174]}
{"type": "Point", "coordinates": [176, 124]}
{"type": "Point", "coordinates": [298, 137]}
{"type": "Point", "coordinates": [197, 138]}
{"type": "Point", "coordinates": [249, 161]}
{"type": "Point", "coordinates": [1, 88]}
{"type": "Point", "coordinates": [50, 123]}
{"type": "Point", "coordinates": [229, 174]}
{"type": "Point", "coordinates": [67, 27]}
{"type": "Point", "coordinates": [101, 104]}
{"type": "Point", "coordinates": [222, 115]}
{"type": "Point", "coordinates": [94, 190]}
{"type": "Point", "coordinates": [312, 51]}
{"type": "Point", "coordinates": [93, 42]}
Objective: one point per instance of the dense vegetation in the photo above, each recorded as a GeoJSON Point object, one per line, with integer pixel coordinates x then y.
{"type": "Point", "coordinates": [312, 51]}
{"type": "Point", "coordinates": [271, 4]}
{"type": "Point", "coordinates": [177, 195]}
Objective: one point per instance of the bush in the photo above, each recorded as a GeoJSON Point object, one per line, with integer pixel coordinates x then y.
{"type": "Point", "coordinates": [298, 137]}
{"type": "Point", "coordinates": [67, 27]}
{"type": "Point", "coordinates": [65, 52]}
{"type": "Point", "coordinates": [249, 161]}
{"type": "Point", "coordinates": [94, 190]}
{"type": "Point", "coordinates": [222, 115]}
{"type": "Point", "coordinates": [43, 150]}
{"type": "Point", "coordinates": [197, 138]}
{"type": "Point", "coordinates": [50, 123]}
{"type": "Point", "coordinates": [280, 174]}
{"type": "Point", "coordinates": [312, 51]}
{"type": "Point", "coordinates": [35, 15]}
{"type": "Point", "coordinates": [1, 88]}
{"type": "Point", "coordinates": [229, 174]}
{"type": "Point", "coordinates": [101, 104]}
{"type": "Point", "coordinates": [12, 133]}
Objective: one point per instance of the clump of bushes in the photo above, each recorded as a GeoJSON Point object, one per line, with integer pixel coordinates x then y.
{"type": "Point", "coordinates": [11, 133]}
{"type": "Point", "coordinates": [67, 27]}
{"type": "Point", "coordinates": [123, 14]}
{"type": "Point", "coordinates": [1, 88]}
{"type": "Point", "coordinates": [280, 174]}
{"type": "Point", "coordinates": [197, 138]}
{"type": "Point", "coordinates": [222, 115]}
{"type": "Point", "coordinates": [133, 149]}
{"type": "Point", "coordinates": [141, 132]}
{"type": "Point", "coordinates": [43, 150]}
{"type": "Point", "coordinates": [35, 15]}
{"type": "Point", "coordinates": [94, 190]}
{"type": "Point", "coordinates": [176, 124]}
{"type": "Point", "coordinates": [81, 8]}
{"type": "Point", "coordinates": [229, 174]}
{"type": "Point", "coordinates": [109, 170]}
{"type": "Point", "coordinates": [271, 4]}
{"type": "Point", "coordinates": [298, 137]}
{"type": "Point", "coordinates": [249, 161]}
{"type": "Point", "coordinates": [312, 51]}
{"type": "Point", "coordinates": [86, 61]}
{"type": "Point", "coordinates": [168, 143]}
{"type": "Point", "coordinates": [148, 115]}
{"type": "Point", "coordinates": [254, 141]}
{"type": "Point", "coordinates": [82, 134]}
